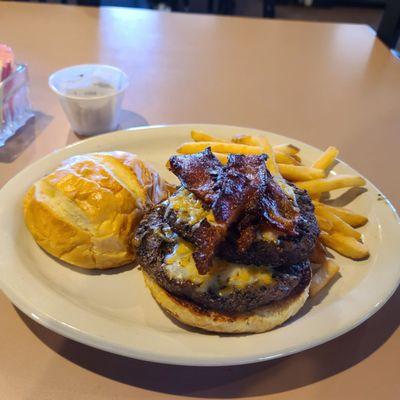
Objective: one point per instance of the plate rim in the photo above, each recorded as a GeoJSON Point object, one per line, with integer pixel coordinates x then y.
{"type": "Point", "coordinates": [92, 340]}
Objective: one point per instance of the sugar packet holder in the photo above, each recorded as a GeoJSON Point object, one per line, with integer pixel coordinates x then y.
{"type": "Point", "coordinates": [15, 107]}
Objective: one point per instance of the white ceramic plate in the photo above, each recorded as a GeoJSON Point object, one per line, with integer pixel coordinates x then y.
{"type": "Point", "coordinates": [115, 312]}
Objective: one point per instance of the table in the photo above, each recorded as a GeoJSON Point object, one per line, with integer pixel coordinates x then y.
{"type": "Point", "coordinates": [320, 83]}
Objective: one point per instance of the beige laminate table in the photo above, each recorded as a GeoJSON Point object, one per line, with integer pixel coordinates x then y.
{"type": "Point", "coordinates": [320, 83]}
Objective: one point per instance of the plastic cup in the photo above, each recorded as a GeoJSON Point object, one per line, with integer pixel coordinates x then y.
{"type": "Point", "coordinates": [91, 96]}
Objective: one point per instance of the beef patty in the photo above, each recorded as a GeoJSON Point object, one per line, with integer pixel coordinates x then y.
{"type": "Point", "coordinates": [278, 250]}
{"type": "Point", "coordinates": [227, 288]}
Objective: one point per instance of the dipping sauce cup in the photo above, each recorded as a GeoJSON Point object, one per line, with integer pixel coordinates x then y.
{"type": "Point", "coordinates": [90, 96]}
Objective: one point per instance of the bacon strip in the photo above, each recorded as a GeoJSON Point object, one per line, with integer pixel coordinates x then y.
{"type": "Point", "coordinates": [276, 209]}
{"type": "Point", "coordinates": [198, 173]}
{"type": "Point", "coordinates": [239, 187]}
{"type": "Point", "coordinates": [247, 229]}
{"type": "Point", "coordinates": [243, 191]}
{"type": "Point", "coordinates": [206, 238]}
{"type": "Point", "coordinates": [235, 193]}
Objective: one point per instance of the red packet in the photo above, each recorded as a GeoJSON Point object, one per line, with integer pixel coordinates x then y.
{"type": "Point", "coordinates": [15, 107]}
{"type": "Point", "coordinates": [6, 61]}
{"type": "Point", "coordinates": [7, 67]}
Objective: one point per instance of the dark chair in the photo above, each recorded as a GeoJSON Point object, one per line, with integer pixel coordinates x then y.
{"type": "Point", "coordinates": [389, 27]}
{"type": "Point", "coordinates": [269, 8]}
{"type": "Point", "coordinates": [227, 7]}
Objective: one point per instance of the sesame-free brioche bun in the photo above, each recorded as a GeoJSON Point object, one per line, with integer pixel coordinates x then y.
{"type": "Point", "coordinates": [259, 320]}
{"type": "Point", "coordinates": [86, 211]}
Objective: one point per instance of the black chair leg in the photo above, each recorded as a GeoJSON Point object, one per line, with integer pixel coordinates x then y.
{"type": "Point", "coordinates": [198, 6]}
{"type": "Point", "coordinates": [226, 7]}
{"type": "Point", "coordinates": [389, 27]}
{"type": "Point", "coordinates": [269, 8]}
{"type": "Point", "coordinates": [95, 3]}
{"type": "Point", "coordinates": [177, 5]}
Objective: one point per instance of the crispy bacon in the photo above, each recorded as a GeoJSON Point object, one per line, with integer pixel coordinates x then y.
{"type": "Point", "coordinates": [276, 209]}
{"type": "Point", "coordinates": [247, 229]}
{"type": "Point", "coordinates": [259, 196]}
{"type": "Point", "coordinates": [243, 191]}
{"type": "Point", "coordinates": [235, 193]}
{"type": "Point", "coordinates": [206, 238]}
{"type": "Point", "coordinates": [198, 173]}
{"type": "Point", "coordinates": [239, 187]}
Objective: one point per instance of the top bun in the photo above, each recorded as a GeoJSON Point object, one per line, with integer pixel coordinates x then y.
{"type": "Point", "coordinates": [86, 211]}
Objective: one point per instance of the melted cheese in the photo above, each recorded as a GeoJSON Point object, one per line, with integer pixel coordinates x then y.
{"type": "Point", "coordinates": [180, 264]}
{"type": "Point", "coordinates": [287, 189]}
{"type": "Point", "coordinates": [224, 276]}
{"type": "Point", "coordinates": [189, 209]}
{"type": "Point", "coordinates": [269, 235]}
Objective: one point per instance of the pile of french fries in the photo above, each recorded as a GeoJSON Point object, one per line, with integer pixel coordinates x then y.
{"type": "Point", "coordinates": [337, 224]}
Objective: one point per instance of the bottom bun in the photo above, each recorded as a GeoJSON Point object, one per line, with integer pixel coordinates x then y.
{"type": "Point", "coordinates": [259, 320]}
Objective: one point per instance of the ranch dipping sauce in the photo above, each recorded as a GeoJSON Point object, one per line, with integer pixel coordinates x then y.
{"type": "Point", "coordinates": [91, 96]}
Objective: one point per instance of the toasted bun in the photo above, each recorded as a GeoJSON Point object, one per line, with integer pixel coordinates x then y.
{"type": "Point", "coordinates": [260, 320]}
{"type": "Point", "coordinates": [85, 211]}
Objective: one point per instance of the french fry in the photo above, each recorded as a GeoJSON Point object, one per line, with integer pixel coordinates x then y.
{"type": "Point", "coordinates": [345, 245]}
{"type": "Point", "coordinates": [219, 147]}
{"type": "Point", "coordinates": [324, 224]}
{"type": "Point", "coordinates": [315, 196]}
{"type": "Point", "coordinates": [297, 158]}
{"type": "Point", "coordinates": [319, 253]}
{"type": "Point", "coordinates": [199, 136]}
{"type": "Point", "coordinates": [246, 139]}
{"type": "Point", "coordinates": [323, 276]}
{"type": "Point", "coordinates": [338, 225]}
{"type": "Point", "coordinates": [282, 158]}
{"type": "Point", "coordinates": [262, 142]}
{"type": "Point", "coordinates": [353, 219]}
{"type": "Point", "coordinates": [299, 172]}
{"type": "Point", "coordinates": [315, 267]}
{"type": "Point", "coordinates": [271, 163]}
{"type": "Point", "coordinates": [327, 158]}
{"type": "Point", "coordinates": [289, 149]}
{"type": "Point", "coordinates": [327, 184]}
{"type": "Point", "coordinates": [221, 157]}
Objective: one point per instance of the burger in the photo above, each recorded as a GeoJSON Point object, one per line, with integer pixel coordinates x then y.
{"type": "Point", "coordinates": [229, 250]}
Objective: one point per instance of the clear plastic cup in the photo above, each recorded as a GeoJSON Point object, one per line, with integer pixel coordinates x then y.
{"type": "Point", "coordinates": [90, 96]}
